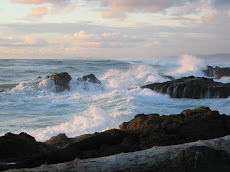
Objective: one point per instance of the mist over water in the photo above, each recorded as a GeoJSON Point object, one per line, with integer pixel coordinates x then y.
{"type": "Point", "coordinates": [87, 107]}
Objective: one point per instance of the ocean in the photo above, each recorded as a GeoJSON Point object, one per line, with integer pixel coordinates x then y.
{"type": "Point", "coordinates": [89, 108]}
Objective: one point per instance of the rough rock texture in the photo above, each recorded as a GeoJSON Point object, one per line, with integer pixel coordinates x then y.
{"type": "Point", "coordinates": [217, 72]}
{"type": "Point", "coordinates": [201, 158]}
{"type": "Point", "coordinates": [166, 76]}
{"type": "Point", "coordinates": [90, 78]}
{"type": "Point", "coordinates": [143, 132]}
{"type": "Point", "coordinates": [159, 159]}
{"type": "Point", "coordinates": [99, 144]}
{"type": "Point", "coordinates": [61, 81]}
{"type": "Point", "coordinates": [59, 141]}
{"type": "Point", "coordinates": [192, 87]}
{"type": "Point", "coordinates": [190, 125]}
{"type": "Point", "coordinates": [22, 149]}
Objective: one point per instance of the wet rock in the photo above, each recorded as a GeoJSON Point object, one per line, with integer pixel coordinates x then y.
{"type": "Point", "coordinates": [192, 87]}
{"type": "Point", "coordinates": [22, 150]}
{"type": "Point", "coordinates": [167, 76]}
{"type": "Point", "coordinates": [217, 72]}
{"type": "Point", "coordinates": [90, 78]}
{"type": "Point", "coordinates": [3, 90]}
{"type": "Point", "coordinates": [189, 126]}
{"type": "Point", "coordinates": [201, 158]}
{"type": "Point", "coordinates": [61, 81]}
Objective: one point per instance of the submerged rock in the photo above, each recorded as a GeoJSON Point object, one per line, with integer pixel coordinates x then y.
{"type": "Point", "coordinates": [192, 87]}
{"type": "Point", "coordinates": [217, 72]}
{"type": "Point", "coordinates": [61, 81]}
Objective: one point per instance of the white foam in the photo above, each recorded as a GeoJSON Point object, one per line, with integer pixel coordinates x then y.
{"type": "Point", "coordinates": [224, 79]}
{"type": "Point", "coordinates": [93, 119]}
{"type": "Point", "coordinates": [189, 65]}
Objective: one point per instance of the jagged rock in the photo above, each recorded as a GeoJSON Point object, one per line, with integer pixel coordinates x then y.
{"type": "Point", "coordinates": [157, 159]}
{"type": "Point", "coordinates": [23, 150]}
{"type": "Point", "coordinates": [59, 141]}
{"type": "Point", "coordinates": [190, 125]}
{"type": "Point", "coordinates": [167, 76]}
{"type": "Point", "coordinates": [61, 81]}
{"type": "Point", "coordinates": [192, 87]}
{"type": "Point", "coordinates": [90, 78]}
{"type": "Point", "coordinates": [217, 72]}
{"type": "Point", "coordinates": [143, 132]}
{"type": "Point", "coordinates": [99, 144]}
{"type": "Point", "coordinates": [62, 141]}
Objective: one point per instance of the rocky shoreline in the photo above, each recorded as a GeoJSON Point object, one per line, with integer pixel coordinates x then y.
{"type": "Point", "coordinates": [140, 134]}
{"type": "Point", "coordinates": [139, 142]}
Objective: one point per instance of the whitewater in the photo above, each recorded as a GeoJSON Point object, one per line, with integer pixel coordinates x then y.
{"type": "Point", "coordinates": [36, 109]}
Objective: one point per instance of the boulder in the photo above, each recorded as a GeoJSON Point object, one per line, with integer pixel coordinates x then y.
{"type": "Point", "coordinates": [217, 72]}
{"type": "Point", "coordinates": [201, 158]}
{"type": "Point", "coordinates": [99, 144]}
{"type": "Point", "coordinates": [189, 126]}
{"type": "Point", "coordinates": [17, 151]}
{"type": "Point", "coordinates": [61, 81]}
{"type": "Point", "coordinates": [90, 78]}
{"type": "Point", "coordinates": [192, 87]}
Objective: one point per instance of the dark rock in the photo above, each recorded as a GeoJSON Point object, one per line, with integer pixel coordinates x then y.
{"type": "Point", "coordinates": [143, 132]}
{"type": "Point", "coordinates": [189, 126]}
{"type": "Point", "coordinates": [99, 144]}
{"type": "Point", "coordinates": [192, 87]}
{"type": "Point", "coordinates": [167, 76]}
{"type": "Point", "coordinates": [3, 90]}
{"type": "Point", "coordinates": [61, 81]}
{"type": "Point", "coordinates": [201, 158]}
{"type": "Point", "coordinates": [59, 141]}
{"type": "Point", "coordinates": [23, 150]}
{"type": "Point", "coordinates": [90, 78]}
{"type": "Point", "coordinates": [217, 72]}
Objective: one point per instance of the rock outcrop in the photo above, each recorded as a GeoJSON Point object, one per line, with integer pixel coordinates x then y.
{"type": "Point", "coordinates": [217, 72]}
{"type": "Point", "coordinates": [204, 155]}
{"type": "Point", "coordinates": [17, 151]}
{"type": "Point", "coordinates": [90, 78]}
{"type": "Point", "coordinates": [143, 132]}
{"type": "Point", "coordinates": [192, 87]}
{"type": "Point", "coordinates": [190, 125]}
{"type": "Point", "coordinates": [61, 81]}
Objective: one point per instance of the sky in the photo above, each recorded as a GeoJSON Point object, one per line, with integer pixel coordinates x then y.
{"type": "Point", "coordinates": [113, 29]}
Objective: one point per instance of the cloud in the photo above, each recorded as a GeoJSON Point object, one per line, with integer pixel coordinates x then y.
{"type": "Point", "coordinates": [56, 7]}
{"type": "Point", "coordinates": [38, 12]}
{"type": "Point", "coordinates": [221, 4]}
{"type": "Point", "coordinates": [28, 41]}
{"type": "Point", "coordinates": [215, 16]}
{"type": "Point", "coordinates": [42, 1]}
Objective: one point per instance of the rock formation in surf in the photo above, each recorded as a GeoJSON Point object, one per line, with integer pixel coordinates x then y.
{"type": "Point", "coordinates": [90, 78]}
{"type": "Point", "coordinates": [217, 72]}
{"type": "Point", "coordinates": [62, 80]}
{"type": "Point", "coordinates": [143, 132]}
{"type": "Point", "coordinates": [192, 87]}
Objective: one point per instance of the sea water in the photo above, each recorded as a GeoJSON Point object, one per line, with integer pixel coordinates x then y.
{"type": "Point", "coordinates": [30, 105]}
